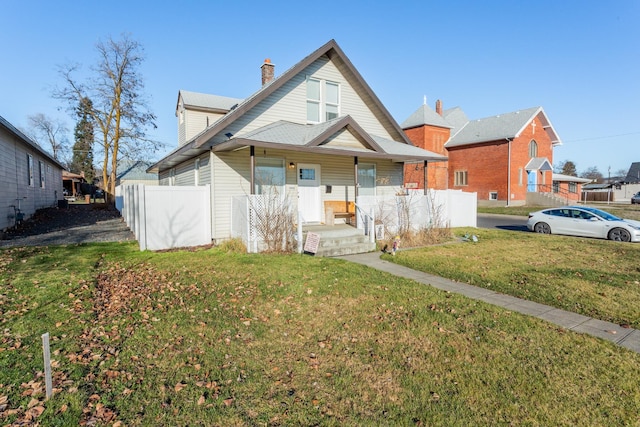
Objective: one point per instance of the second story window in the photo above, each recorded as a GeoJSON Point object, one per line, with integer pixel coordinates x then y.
{"type": "Point", "coordinates": [323, 100]}
{"type": "Point", "coordinates": [332, 92]}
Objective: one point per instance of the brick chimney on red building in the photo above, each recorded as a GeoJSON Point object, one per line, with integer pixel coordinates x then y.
{"type": "Point", "coordinates": [268, 70]}
{"type": "Point", "coordinates": [439, 107]}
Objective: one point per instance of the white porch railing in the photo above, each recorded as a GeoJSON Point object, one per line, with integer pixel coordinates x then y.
{"type": "Point", "coordinates": [396, 213]}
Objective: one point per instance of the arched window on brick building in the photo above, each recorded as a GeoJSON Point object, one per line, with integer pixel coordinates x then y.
{"type": "Point", "coordinates": [533, 148]}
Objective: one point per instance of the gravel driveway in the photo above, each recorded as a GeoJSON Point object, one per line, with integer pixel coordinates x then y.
{"type": "Point", "coordinates": [95, 222]}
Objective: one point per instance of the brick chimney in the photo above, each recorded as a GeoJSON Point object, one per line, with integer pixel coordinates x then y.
{"type": "Point", "coordinates": [439, 107]}
{"type": "Point", "coordinates": [267, 71]}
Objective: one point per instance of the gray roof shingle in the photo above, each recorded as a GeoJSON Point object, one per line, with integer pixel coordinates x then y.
{"type": "Point", "coordinates": [207, 101]}
{"type": "Point", "coordinates": [494, 128]}
{"type": "Point", "coordinates": [425, 116]}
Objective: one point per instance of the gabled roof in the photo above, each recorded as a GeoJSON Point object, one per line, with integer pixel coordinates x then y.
{"type": "Point", "coordinates": [425, 116]}
{"type": "Point", "coordinates": [314, 138]}
{"type": "Point", "coordinates": [538, 164]}
{"type": "Point", "coordinates": [137, 170]}
{"type": "Point", "coordinates": [501, 127]}
{"type": "Point", "coordinates": [456, 118]}
{"type": "Point", "coordinates": [27, 141]}
{"type": "Point", "coordinates": [204, 101]}
{"type": "Point", "coordinates": [213, 135]}
{"type": "Point", "coordinates": [569, 178]}
{"type": "Point", "coordinates": [634, 173]}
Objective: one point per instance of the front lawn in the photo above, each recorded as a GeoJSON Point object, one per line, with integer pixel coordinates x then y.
{"type": "Point", "coordinates": [211, 337]}
{"type": "Point", "coordinates": [597, 278]}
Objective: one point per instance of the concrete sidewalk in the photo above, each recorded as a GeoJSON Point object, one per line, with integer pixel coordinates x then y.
{"type": "Point", "coordinates": [624, 337]}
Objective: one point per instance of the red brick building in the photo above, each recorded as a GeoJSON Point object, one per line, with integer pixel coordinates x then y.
{"type": "Point", "coordinates": [504, 158]}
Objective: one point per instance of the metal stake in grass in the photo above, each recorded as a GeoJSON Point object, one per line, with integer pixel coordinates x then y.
{"type": "Point", "coordinates": [47, 364]}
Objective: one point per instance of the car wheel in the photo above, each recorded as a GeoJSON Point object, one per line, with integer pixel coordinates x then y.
{"type": "Point", "coordinates": [620, 235]}
{"type": "Point", "coordinates": [542, 227]}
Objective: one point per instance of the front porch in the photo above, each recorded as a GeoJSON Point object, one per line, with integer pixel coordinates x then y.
{"type": "Point", "coordinates": [339, 239]}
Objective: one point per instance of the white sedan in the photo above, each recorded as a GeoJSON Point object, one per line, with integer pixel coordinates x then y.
{"type": "Point", "coordinates": [584, 222]}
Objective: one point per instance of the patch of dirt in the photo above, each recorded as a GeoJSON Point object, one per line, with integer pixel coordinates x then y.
{"type": "Point", "coordinates": [97, 222]}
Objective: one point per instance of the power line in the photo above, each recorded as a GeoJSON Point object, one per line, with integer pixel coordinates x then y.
{"type": "Point", "coordinates": [603, 137]}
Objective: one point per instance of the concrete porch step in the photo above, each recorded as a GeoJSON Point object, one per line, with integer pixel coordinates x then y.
{"type": "Point", "coordinates": [339, 240]}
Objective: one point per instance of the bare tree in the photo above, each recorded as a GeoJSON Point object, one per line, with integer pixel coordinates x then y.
{"type": "Point", "coordinates": [118, 105]}
{"type": "Point", "coordinates": [592, 173]}
{"type": "Point", "coordinates": [49, 133]}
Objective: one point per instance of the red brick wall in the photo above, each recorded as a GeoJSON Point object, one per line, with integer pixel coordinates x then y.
{"type": "Point", "coordinates": [429, 138]}
{"type": "Point", "coordinates": [486, 164]}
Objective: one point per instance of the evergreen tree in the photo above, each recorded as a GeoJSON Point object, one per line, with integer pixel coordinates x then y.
{"type": "Point", "coordinates": [82, 160]}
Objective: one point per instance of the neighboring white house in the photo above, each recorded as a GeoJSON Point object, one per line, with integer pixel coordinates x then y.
{"type": "Point", "coordinates": [317, 133]}
{"type": "Point", "coordinates": [30, 178]}
{"type": "Point", "coordinates": [135, 172]}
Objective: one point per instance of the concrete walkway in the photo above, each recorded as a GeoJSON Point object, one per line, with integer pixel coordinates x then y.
{"type": "Point", "coordinates": [624, 337]}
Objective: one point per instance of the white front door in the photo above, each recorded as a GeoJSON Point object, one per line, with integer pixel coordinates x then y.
{"type": "Point", "coordinates": [309, 197]}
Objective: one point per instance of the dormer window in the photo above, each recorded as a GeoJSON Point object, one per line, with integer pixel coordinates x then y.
{"type": "Point", "coordinates": [323, 100]}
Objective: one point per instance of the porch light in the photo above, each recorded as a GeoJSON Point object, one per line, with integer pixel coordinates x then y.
{"type": "Point", "coordinates": [292, 165]}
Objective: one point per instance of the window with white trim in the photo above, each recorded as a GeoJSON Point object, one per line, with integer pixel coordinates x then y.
{"type": "Point", "coordinates": [573, 187]}
{"type": "Point", "coordinates": [269, 176]}
{"type": "Point", "coordinates": [493, 195]}
{"type": "Point", "coordinates": [460, 178]}
{"type": "Point", "coordinates": [366, 179]}
{"type": "Point", "coordinates": [42, 174]}
{"type": "Point", "coordinates": [30, 170]}
{"type": "Point", "coordinates": [323, 100]}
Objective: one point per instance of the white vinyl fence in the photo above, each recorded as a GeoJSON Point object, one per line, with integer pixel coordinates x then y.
{"type": "Point", "coordinates": [415, 210]}
{"type": "Point", "coordinates": [163, 217]}
{"type": "Point", "coordinates": [412, 211]}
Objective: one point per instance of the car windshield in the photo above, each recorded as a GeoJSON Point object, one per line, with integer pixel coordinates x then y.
{"type": "Point", "coordinates": [604, 215]}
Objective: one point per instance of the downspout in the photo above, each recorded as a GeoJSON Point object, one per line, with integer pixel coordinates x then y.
{"type": "Point", "coordinates": [212, 193]}
{"type": "Point", "coordinates": [509, 173]}
{"type": "Point", "coordinates": [355, 186]}
{"type": "Point", "coordinates": [424, 170]}
{"type": "Point", "coordinates": [252, 153]}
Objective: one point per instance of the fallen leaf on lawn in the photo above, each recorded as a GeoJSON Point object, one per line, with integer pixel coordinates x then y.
{"type": "Point", "coordinates": [35, 412]}
{"type": "Point", "coordinates": [201, 400]}
{"type": "Point", "coordinates": [62, 409]}
{"type": "Point", "coordinates": [4, 399]}
{"type": "Point", "coordinates": [179, 386]}
{"type": "Point", "coordinates": [33, 402]}
{"type": "Point", "coordinates": [228, 401]}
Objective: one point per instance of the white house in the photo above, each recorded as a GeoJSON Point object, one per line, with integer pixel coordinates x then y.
{"type": "Point", "coordinates": [30, 178]}
{"type": "Point", "coordinates": [317, 133]}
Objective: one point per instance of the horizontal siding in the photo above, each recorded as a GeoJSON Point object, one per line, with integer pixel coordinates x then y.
{"type": "Point", "coordinates": [164, 177]}
{"type": "Point", "coordinates": [185, 173]}
{"type": "Point", "coordinates": [205, 170]}
{"type": "Point", "coordinates": [338, 172]}
{"type": "Point", "coordinates": [345, 139]}
{"type": "Point", "coordinates": [290, 103]}
{"type": "Point", "coordinates": [196, 121]}
{"type": "Point", "coordinates": [15, 184]}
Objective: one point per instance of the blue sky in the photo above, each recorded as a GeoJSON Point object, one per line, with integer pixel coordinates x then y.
{"type": "Point", "coordinates": [579, 60]}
